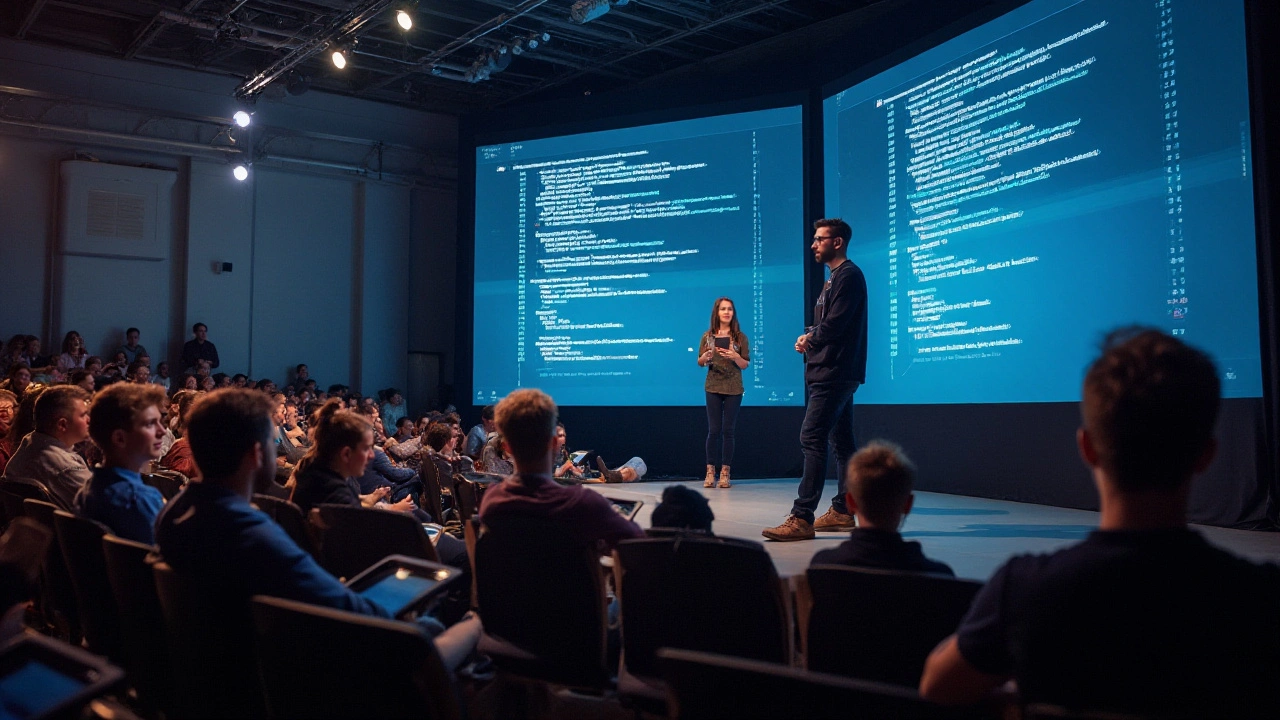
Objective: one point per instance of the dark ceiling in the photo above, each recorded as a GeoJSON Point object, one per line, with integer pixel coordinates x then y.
{"type": "Point", "coordinates": [278, 46]}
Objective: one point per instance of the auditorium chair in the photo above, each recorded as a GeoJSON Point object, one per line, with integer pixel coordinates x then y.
{"type": "Point", "coordinates": [168, 482]}
{"type": "Point", "coordinates": [707, 686]}
{"type": "Point", "coordinates": [14, 490]}
{"type": "Point", "coordinates": [466, 496]}
{"type": "Point", "coordinates": [42, 678]}
{"type": "Point", "coordinates": [881, 624]}
{"type": "Point", "coordinates": [289, 517]}
{"type": "Point", "coordinates": [541, 595]}
{"type": "Point", "coordinates": [57, 595]}
{"type": "Point", "coordinates": [432, 496]}
{"type": "Point", "coordinates": [81, 542]}
{"type": "Point", "coordinates": [353, 538]}
{"type": "Point", "coordinates": [214, 668]}
{"type": "Point", "coordinates": [321, 663]}
{"type": "Point", "coordinates": [718, 595]}
{"type": "Point", "coordinates": [142, 635]}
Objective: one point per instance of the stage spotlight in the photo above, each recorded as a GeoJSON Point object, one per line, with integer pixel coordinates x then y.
{"type": "Point", "coordinates": [241, 173]}
{"type": "Point", "coordinates": [404, 19]}
{"type": "Point", "coordinates": [242, 118]}
{"type": "Point", "coordinates": [339, 57]}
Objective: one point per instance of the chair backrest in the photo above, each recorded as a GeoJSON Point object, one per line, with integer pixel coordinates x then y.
{"type": "Point", "coordinates": [168, 482]}
{"type": "Point", "coordinates": [81, 542]}
{"type": "Point", "coordinates": [142, 636]}
{"type": "Point", "coordinates": [699, 593]}
{"type": "Point", "coordinates": [213, 664]}
{"type": "Point", "coordinates": [356, 537]}
{"type": "Point", "coordinates": [541, 594]}
{"type": "Point", "coordinates": [432, 495]}
{"type": "Point", "coordinates": [466, 495]}
{"type": "Point", "coordinates": [321, 663]}
{"type": "Point", "coordinates": [706, 685]}
{"type": "Point", "coordinates": [881, 624]}
{"type": "Point", "coordinates": [58, 596]}
{"type": "Point", "coordinates": [289, 517]}
{"type": "Point", "coordinates": [14, 490]}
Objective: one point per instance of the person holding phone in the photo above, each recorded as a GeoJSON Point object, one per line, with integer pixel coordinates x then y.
{"type": "Point", "coordinates": [725, 352]}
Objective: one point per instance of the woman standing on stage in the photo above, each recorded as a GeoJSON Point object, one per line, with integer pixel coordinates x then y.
{"type": "Point", "coordinates": [725, 352]}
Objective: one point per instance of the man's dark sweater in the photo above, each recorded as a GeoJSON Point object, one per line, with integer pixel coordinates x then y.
{"type": "Point", "coordinates": [880, 549]}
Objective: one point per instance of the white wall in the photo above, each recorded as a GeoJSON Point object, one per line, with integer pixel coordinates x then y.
{"type": "Point", "coordinates": [323, 264]}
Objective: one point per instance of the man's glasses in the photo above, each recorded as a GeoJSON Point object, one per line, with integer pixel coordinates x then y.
{"type": "Point", "coordinates": [820, 238]}
{"type": "Point", "coordinates": [6, 409]}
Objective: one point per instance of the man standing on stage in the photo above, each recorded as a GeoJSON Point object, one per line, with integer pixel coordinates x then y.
{"type": "Point", "coordinates": [835, 353]}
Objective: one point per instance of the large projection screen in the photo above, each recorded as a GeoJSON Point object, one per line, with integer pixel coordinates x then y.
{"type": "Point", "coordinates": [1068, 168]}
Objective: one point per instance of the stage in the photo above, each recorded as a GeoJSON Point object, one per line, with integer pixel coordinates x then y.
{"type": "Point", "coordinates": [972, 535]}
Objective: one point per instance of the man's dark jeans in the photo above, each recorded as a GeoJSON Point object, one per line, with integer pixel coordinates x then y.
{"type": "Point", "coordinates": [827, 417]}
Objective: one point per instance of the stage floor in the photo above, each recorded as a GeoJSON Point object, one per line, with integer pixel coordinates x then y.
{"type": "Point", "coordinates": [972, 535]}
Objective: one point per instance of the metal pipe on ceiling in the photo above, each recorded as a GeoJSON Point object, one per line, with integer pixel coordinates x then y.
{"type": "Point", "coordinates": [158, 143]}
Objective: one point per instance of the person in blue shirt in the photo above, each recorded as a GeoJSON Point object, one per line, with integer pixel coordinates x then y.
{"type": "Point", "coordinates": [211, 530]}
{"type": "Point", "coordinates": [125, 423]}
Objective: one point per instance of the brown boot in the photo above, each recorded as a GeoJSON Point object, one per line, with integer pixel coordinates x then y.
{"type": "Point", "coordinates": [793, 528]}
{"type": "Point", "coordinates": [724, 477]}
{"type": "Point", "coordinates": [835, 521]}
{"type": "Point", "coordinates": [610, 476]}
{"type": "Point", "coordinates": [710, 480]}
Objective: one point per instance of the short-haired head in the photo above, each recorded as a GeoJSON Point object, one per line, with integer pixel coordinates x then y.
{"type": "Point", "coordinates": [117, 406]}
{"type": "Point", "coordinates": [527, 420]}
{"type": "Point", "coordinates": [682, 508]}
{"type": "Point", "coordinates": [58, 402]}
{"type": "Point", "coordinates": [438, 435]}
{"type": "Point", "coordinates": [1149, 406]}
{"type": "Point", "coordinates": [198, 327]}
{"type": "Point", "coordinates": [487, 412]}
{"type": "Point", "coordinates": [224, 425]}
{"type": "Point", "coordinates": [879, 480]}
{"type": "Point", "coordinates": [837, 227]}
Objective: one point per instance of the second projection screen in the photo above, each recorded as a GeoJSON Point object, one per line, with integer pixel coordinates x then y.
{"type": "Point", "coordinates": [599, 256]}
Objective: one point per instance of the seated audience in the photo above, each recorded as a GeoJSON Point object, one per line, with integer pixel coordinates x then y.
{"type": "Point", "coordinates": [479, 434]}
{"type": "Point", "coordinates": [289, 438]}
{"type": "Point", "coordinates": [18, 379]}
{"type": "Point", "coordinates": [161, 377]}
{"type": "Point", "coordinates": [301, 374]}
{"type": "Point", "coordinates": [441, 444]}
{"type": "Point", "coordinates": [342, 446]}
{"type": "Point", "coordinates": [239, 380]}
{"type": "Point", "coordinates": [125, 421]}
{"type": "Point", "coordinates": [73, 353]}
{"type": "Point", "coordinates": [494, 459]}
{"type": "Point", "coordinates": [42, 366]}
{"type": "Point", "coordinates": [682, 508]}
{"type": "Point", "coordinates": [8, 409]}
{"type": "Point", "coordinates": [138, 374]}
{"type": "Point", "coordinates": [1144, 616]}
{"type": "Point", "coordinates": [13, 352]}
{"type": "Point", "coordinates": [527, 420]}
{"type": "Point", "coordinates": [46, 454]}
{"type": "Point", "coordinates": [878, 489]}
{"type": "Point", "coordinates": [630, 471]}
{"type": "Point", "coordinates": [566, 469]}
{"type": "Point", "coordinates": [212, 532]}
{"type": "Point", "coordinates": [392, 410]}
{"type": "Point", "coordinates": [84, 379]}
{"type": "Point", "coordinates": [382, 472]}
{"type": "Point", "coordinates": [24, 421]}
{"type": "Point", "coordinates": [131, 348]}
{"type": "Point", "coordinates": [178, 457]}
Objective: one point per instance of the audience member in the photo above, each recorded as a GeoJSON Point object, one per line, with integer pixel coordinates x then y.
{"type": "Point", "coordinates": [13, 352]}
{"type": "Point", "coordinates": [526, 420]}
{"type": "Point", "coordinates": [630, 471]}
{"type": "Point", "coordinates": [213, 533]}
{"type": "Point", "coordinates": [878, 492]}
{"type": "Point", "coordinates": [392, 410]}
{"type": "Point", "coordinates": [186, 382]}
{"type": "Point", "coordinates": [8, 409]}
{"type": "Point", "coordinates": [566, 468]}
{"type": "Point", "coordinates": [208, 384]}
{"type": "Point", "coordinates": [198, 352]}
{"type": "Point", "coordinates": [84, 379]}
{"type": "Point", "coordinates": [138, 374]}
{"type": "Point", "coordinates": [289, 438]}
{"type": "Point", "coordinates": [342, 446]}
{"type": "Point", "coordinates": [682, 508]}
{"type": "Point", "coordinates": [24, 422]}
{"type": "Point", "coordinates": [42, 366]}
{"type": "Point", "coordinates": [125, 423]}
{"type": "Point", "coordinates": [178, 457]}
{"type": "Point", "coordinates": [73, 353]}
{"type": "Point", "coordinates": [161, 377]}
{"type": "Point", "coordinates": [131, 348]}
{"type": "Point", "coordinates": [494, 459]}
{"type": "Point", "coordinates": [479, 434]}
{"type": "Point", "coordinates": [45, 455]}
{"type": "Point", "coordinates": [301, 374]}
{"type": "Point", "coordinates": [239, 380]}
{"type": "Point", "coordinates": [18, 379]}
{"type": "Point", "coordinates": [1144, 616]}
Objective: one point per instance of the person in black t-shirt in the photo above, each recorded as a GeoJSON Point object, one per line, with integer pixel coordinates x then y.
{"type": "Point", "coordinates": [1144, 616]}
{"type": "Point", "coordinates": [880, 478]}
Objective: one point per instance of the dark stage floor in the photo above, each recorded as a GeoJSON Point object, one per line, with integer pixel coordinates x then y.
{"type": "Point", "coordinates": [973, 535]}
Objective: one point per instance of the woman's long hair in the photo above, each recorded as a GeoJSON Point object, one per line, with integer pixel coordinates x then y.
{"type": "Point", "coordinates": [66, 343]}
{"type": "Point", "coordinates": [735, 333]}
{"type": "Point", "coordinates": [333, 428]}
